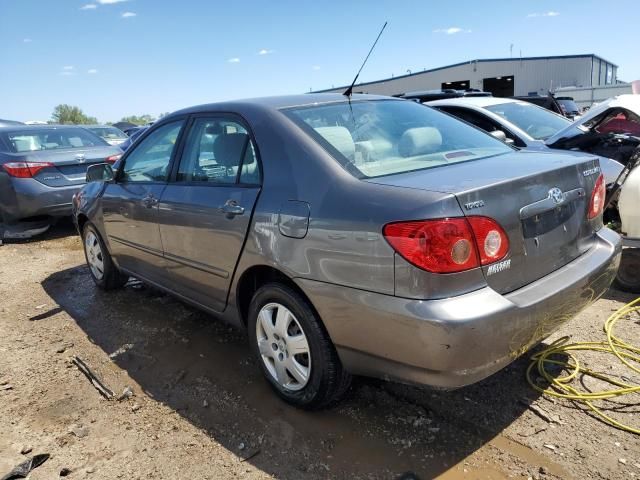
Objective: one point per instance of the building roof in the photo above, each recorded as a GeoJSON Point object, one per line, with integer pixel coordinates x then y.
{"type": "Point", "coordinates": [480, 60]}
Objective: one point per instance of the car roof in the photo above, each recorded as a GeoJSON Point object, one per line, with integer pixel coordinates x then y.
{"type": "Point", "coordinates": [27, 128]}
{"type": "Point", "coordinates": [279, 102]}
{"type": "Point", "coordinates": [481, 102]}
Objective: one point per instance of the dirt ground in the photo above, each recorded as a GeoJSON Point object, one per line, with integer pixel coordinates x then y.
{"type": "Point", "coordinates": [201, 410]}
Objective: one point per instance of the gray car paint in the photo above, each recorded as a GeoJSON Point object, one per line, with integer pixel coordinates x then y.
{"type": "Point", "coordinates": [386, 317]}
{"type": "Point", "coordinates": [50, 191]}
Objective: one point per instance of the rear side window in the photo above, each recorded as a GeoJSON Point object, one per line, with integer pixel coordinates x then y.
{"type": "Point", "coordinates": [50, 139]}
{"type": "Point", "coordinates": [480, 121]}
{"type": "Point", "coordinates": [149, 160]}
{"type": "Point", "coordinates": [537, 122]}
{"type": "Point", "coordinates": [218, 150]}
{"type": "Point", "coordinates": [376, 138]}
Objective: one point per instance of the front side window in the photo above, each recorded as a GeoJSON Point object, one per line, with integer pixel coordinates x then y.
{"type": "Point", "coordinates": [50, 139]}
{"type": "Point", "coordinates": [149, 160]}
{"type": "Point", "coordinates": [537, 122]}
{"type": "Point", "coordinates": [375, 138]}
{"type": "Point", "coordinates": [218, 151]}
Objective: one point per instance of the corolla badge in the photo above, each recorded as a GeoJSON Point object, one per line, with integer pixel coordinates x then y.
{"type": "Point", "coordinates": [81, 158]}
{"type": "Point", "coordinates": [556, 195]}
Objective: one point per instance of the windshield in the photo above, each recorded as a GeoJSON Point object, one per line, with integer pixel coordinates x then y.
{"type": "Point", "coordinates": [538, 123]}
{"type": "Point", "coordinates": [108, 133]}
{"type": "Point", "coordinates": [384, 137]}
{"type": "Point", "coordinates": [568, 104]}
{"type": "Point", "coordinates": [50, 139]}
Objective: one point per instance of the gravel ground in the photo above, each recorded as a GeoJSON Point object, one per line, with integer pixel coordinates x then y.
{"type": "Point", "coordinates": [200, 408]}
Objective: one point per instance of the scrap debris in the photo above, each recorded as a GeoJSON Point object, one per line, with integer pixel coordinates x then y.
{"type": "Point", "coordinates": [105, 391]}
{"type": "Point", "coordinates": [23, 470]}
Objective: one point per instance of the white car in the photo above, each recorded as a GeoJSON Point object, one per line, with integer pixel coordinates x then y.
{"type": "Point", "coordinates": [112, 135]}
{"type": "Point", "coordinates": [523, 124]}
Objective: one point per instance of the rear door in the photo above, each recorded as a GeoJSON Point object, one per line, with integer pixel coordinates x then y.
{"type": "Point", "coordinates": [130, 204]}
{"type": "Point", "coordinates": [205, 210]}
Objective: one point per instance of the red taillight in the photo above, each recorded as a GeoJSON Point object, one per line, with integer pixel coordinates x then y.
{"type": "Point", "coordinates": [448, 245]}
{"type": "Point", "coordinates": [25, 169]}
{"type": "Point", "coordinates": [492, 242]}
{"type": "Point", "coordinates": [597, 198]}
{"type": "Point", "coordinates": [113, 159]}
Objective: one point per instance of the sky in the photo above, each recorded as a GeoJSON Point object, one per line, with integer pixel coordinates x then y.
{"type": "Point", "coordinates": [114, 58]}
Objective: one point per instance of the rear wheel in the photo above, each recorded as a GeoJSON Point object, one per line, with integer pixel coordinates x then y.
{"type": "Point", "coordinates": [294, 351]}
{"type": "Point", "coordinates": [101, 266]}
{"type": "Point", "coordinates": [628, 276]}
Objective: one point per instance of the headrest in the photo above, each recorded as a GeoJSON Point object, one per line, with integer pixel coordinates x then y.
{"type": "Point", "coordinates": [229, 148]}
{"type": "Point", "coordinates": [215, 129]}
{"type": "Point", "coordinates": [340, 138]}
{"type": "Point", "coordinates": [419, 141]}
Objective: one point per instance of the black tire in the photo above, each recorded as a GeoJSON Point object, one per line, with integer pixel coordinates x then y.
{"type": "Point", "coordinates": [112, 278]}
{"type": "Point", "coordinates": [628, 276]}
{"type": "Point", "coordinates": [328, 381]}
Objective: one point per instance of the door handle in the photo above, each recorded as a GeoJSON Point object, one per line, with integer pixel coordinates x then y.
{"type": "Point", "coordinates": [149, 201]}
{"type": "Point", "coordinates": [231, 209]}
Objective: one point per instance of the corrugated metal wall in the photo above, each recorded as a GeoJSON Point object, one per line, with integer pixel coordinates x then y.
{"type": "Point", "coordinates": [530, 75]}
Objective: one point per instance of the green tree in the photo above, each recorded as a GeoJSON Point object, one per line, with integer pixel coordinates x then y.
{"type": "Point", "coordinates": [69, 114]}
{"type": "Point", "coordinates": [138, 119]}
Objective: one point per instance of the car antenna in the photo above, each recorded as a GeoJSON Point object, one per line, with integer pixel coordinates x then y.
{"type": "Point", "coordinates": [349, 91]}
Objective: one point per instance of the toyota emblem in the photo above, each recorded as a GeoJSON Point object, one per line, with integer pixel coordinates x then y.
{"type": "Point", "coordinates": [556, 195]}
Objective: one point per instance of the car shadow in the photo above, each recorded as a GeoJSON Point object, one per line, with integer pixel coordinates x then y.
{"type": "Point", "coordinates": [61, 229]}
{"type": "Point", "coordinates": [202, 369]}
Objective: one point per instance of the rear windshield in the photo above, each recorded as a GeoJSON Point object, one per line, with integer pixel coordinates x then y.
{"type": "Point", "coordinates": [568, 104]}
{"type": "Point", "coordinates": [50, 139]}
{"type": "Point", "coordinates": [109, 133]}
{"type": "Point", "coordinates": [376, 138]}
{"type": "Point", "coordinates": [538, 122]}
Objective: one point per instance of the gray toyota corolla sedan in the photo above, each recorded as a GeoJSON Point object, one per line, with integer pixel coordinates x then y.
{"type": "Point", "coordinates": [41, 167]}
{"type": "Point", "coordinates": [374, 236]}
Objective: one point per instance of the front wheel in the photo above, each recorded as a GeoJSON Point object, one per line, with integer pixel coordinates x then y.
{"type": "Point", "coordinates": [295, 353]}
{"type": "Point", "coordinates": [103, 271]}
{"type": "Point", "coordinates": [628, 276]}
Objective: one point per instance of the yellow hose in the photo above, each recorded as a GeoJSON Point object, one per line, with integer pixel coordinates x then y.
{"type": "Point", "coordinates": [560, 387]}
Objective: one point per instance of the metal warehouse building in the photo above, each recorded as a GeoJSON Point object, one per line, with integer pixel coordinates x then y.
{"type": "Point", "coordinates": [506, 77]}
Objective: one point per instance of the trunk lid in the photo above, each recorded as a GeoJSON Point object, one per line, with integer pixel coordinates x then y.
{"type": "Point", "coordinates": [69, 165]}
{"type": "Point", "coordinates": [539, 199]}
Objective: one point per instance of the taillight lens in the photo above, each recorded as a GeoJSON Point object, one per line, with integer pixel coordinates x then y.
{"type": "Point", "coordinates": [25, 169]}
{"type": "Point", "coordinates": [448, 245]}
{"type": "Point", "coordinates": [113, 158]}
{"type": "Point", "coordinates": [492, 242]}
{"type": "Point", "coordinates": [597, 198]}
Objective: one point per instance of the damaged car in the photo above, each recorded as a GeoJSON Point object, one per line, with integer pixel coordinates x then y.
{"type": "Point", "coordinates": [353, 235]}
{"type": "Point", "coordinates": [520, 123]}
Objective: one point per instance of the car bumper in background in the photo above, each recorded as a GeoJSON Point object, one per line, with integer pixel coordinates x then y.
{"type": "Point", "coordinates": [24, 198]}
{"type": "Point", "coordinates": [460, 340]}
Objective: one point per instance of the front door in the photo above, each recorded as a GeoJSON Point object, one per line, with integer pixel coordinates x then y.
{"type": "Point", "coordinates": [130, 204]}
{"type": "Point", "coordinates": [205, 210]}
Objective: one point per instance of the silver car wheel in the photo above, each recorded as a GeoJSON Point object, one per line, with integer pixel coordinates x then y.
{"type": "Point", "coordinates": [95, 258]}
{"type": "Point", "coordinates": [283, 346]}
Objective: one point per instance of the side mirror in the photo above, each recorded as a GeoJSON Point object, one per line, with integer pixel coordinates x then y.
{"type": "Point", "coordinates": [102, 172]}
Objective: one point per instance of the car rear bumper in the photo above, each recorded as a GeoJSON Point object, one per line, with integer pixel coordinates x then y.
{"type": "Point", "coordinates": [459, 340]}
{"type": "Point", "coordinates": [24, 198]}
